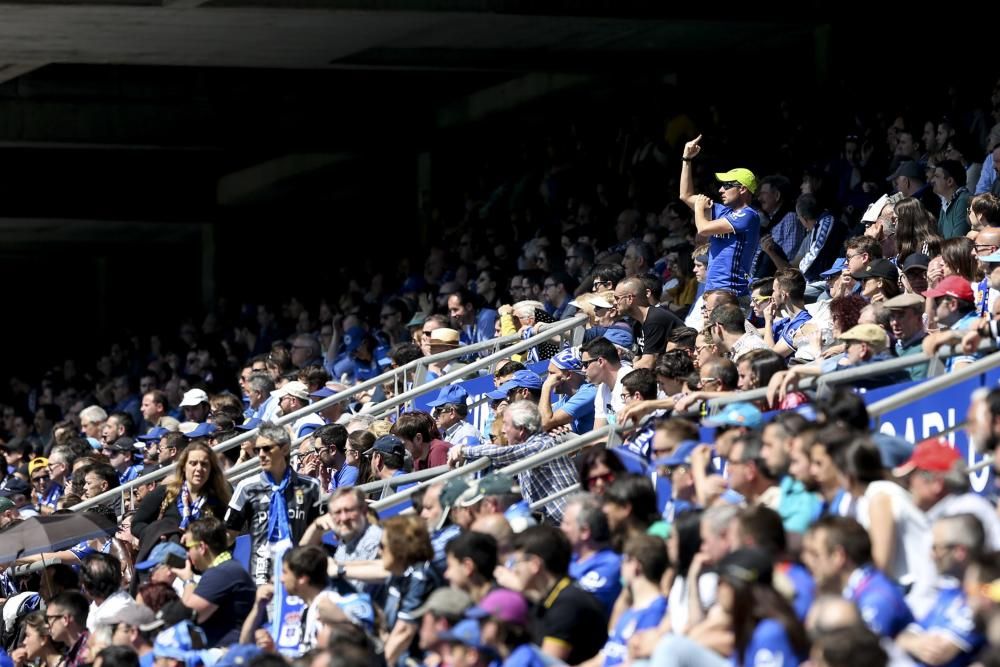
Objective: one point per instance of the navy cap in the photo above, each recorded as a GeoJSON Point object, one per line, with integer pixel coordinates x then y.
{"type": "Point", "coordinates": [202, 430]}
{"type": "Point", "coordinates": [14, 486]}
{"type": "Point", "coordinates": [680, 456]}
{"type": "Point", "coordinates": [249, 425]}
{"type": "Point", "coordinates": [452, 394]}
{"type": "Point", "coordinates": [388, 444]}
{"type": "Point", "coordinates": [122, 444]}
{"type": "Point", "coordinates": [154, 434]}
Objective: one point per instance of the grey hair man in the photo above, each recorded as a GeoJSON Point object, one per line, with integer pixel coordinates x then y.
{"type": "Point", "coordinates": [522, 425]}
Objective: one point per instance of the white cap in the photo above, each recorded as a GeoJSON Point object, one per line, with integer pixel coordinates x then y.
{"type": "Point", "coordinates": [871, 215]}
{"type": "Point", "coordinates": [293, 388]}
{"type": "Point", "coordinates": [194, 397]}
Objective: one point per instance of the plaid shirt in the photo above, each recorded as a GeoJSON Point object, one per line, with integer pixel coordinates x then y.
{"type": "Point", "coordinates": [539, 482]}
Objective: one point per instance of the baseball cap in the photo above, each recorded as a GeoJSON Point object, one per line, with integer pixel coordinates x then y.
{"type": "Point", "coordinates": [6, 504]}
{"type": "Point", "coordinates": [904, 300]}
{"type": "Point", "coordinates": [918, 260]}
{"type": "Point", "coordinates": [524, 378]}
{"type": "Point", "coordinates": [154, 434]}
{"type": "Point", "coordinates": [595, 300]}
{"type": "Point", "coordinates": [452, 394]}
{"type": "Point", "coordinates": [388, 444]}
{"type": "Point", "coordinates": [238, 655]}
{"type": "Point", "coordinates": [451, 491]}
{"type": "Point", "coordinates": [871, 334]}
{"type": "Point", "coordinates": [293, 388]}
{"type": "Point", "coordinates": [193, 397]}
{"type": "Point", "coordinates": [742, 176]}
{"type": "Point", "coordinates": [748, 566]}
{"type": "Point", "coordinates": [680, 456]}
{"type": "Point", "coordinates": [36, 463]}
{"type": "Point", "coordinates": [169, 615]}
{"type": "Point", "coordinates": [131, 614]}
{"type": "Point", "coordinates": [445, 601]}
{"type": "Point", "coordinates": [836, 269]}
{"type": "Point", "coordinates": [249, 424]}
{"type": "Point", "coordinates": [417, 320]}
{"type": "Point", "coordinates": [568, 360]}
{"type": "Point", "coordinates": [879, 268]}
{"type": "Point", "coordinates": [353, 338]}
{"type": "Point", "coordinates": [158, 556]}
{"type": "Point", "coordinates": [506, 605]}
{"type": "Point", "coordinates": [14, 486]}
{"type": "Point", "coordinates": [202, 430]}
{"type": "Point", "coordinates": [466, 632]}
{"type": "Point", "coordinates": [122, 444]}
{"type": "Point", "coordinates": [954, 286]}
{"type": "Point", "coordinates": [736, 414]}
{"type": "Point", "coordinates": [910, 169]}
{"type": "Point", "coordinates": [494, 484]}
{"type": "Point", "coordinates": [619, 337]}
{"type": "Point", "coordinates": [931, 455]}
{"type": "Point", "coordinates": [177, 640]}
{"type": "Point", "coordinates": [322, 392]}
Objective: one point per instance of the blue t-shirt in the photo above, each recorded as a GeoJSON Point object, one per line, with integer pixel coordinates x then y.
{"type": "Point", "coordinates": [879, 600]}
{"type": "Point", "coordinates": [529, 655]}
{"type": "Point", "coordinates": [785, 328]}
{"type": "Point", "coordinates": [346, 476]}
{"type": "Point", "coordinates": [630, 622]}
{"type": "Point", "coordinates": [641, 442]}
{"type": "Point", "coordinates": [599, 575]}
{"type": "Point", "coordinates": [730, 255]}
{"type": "Point", "coordinates": [132, 472]}
{"type": "Point", "coordinates": [803, 585]}
{"type": "Point", "coordinates": [952, 617]}
{"type": "Point", "coordinates": [579, 406]}
{"type": "Point", "coordinates": [769, 647]}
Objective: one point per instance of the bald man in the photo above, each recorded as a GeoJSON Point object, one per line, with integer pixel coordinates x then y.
{"type": "Point", "coordinates": [652, 325]}
{"type": "Point", "coordinates": [497, 526]}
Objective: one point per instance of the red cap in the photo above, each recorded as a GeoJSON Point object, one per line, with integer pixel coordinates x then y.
{"type": "Point", "coordinates": [932, 455]}
{"type": "Point", "coordinates": [955, 286]}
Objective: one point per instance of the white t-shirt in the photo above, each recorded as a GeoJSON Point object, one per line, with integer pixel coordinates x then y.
{"type": "Point", "coordinates": [606, 397]}
{"type": "Point", "coordinates": [677, 600]}
{"type": "Point", "coordinates": [107, 610]}
{"type": "Point", "coordinates": [911, 559]}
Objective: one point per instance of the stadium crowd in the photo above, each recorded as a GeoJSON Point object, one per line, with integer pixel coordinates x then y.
{"type": "Point", "coordinates": [786, 532]}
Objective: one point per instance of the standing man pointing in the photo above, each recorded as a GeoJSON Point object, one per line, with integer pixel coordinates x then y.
{"type": "Point", "coordinates": [732, 227]}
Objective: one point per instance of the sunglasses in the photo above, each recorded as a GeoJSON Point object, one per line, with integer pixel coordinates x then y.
{"type": "Point", "coordinates": [607, 478]}
{"type": "Point", "coordinates": [730, 184]}
{"type": "Point", "coordinates": [588, 362]}
{"type": "Point", "coordinates": [264, 449]}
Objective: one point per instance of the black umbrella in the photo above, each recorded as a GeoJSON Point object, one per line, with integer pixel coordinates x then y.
{"type": "Point", "coordinates": [51, 533]}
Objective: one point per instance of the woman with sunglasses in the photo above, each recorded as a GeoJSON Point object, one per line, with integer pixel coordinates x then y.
{"type": "Point", "coordinates": [198, 488]}
{"type": "Point", "coordinates": [598, 468]}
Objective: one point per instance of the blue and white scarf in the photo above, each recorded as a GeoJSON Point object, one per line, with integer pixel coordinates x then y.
{"type": "Point", "coordinates": [277, 521]}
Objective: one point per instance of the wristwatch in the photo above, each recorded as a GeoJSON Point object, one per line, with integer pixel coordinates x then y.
{"type": "Point", "coordinates": [341, 570]}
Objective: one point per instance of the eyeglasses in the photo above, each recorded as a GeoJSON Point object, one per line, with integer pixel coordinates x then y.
{"type": "Point", "coordinates": [730, 184]}
{"type": "Point", "coordinates": [703, 381]}
{"type": "Point", "coordinates": [442, 409]}
{"type": "Point", "coordinates": [983, 246]}
{"type": "Point", "coordinates": [619, 297]}
{"type": "Point", "coordinates": [625, 395]}
{"type": "Point", "coordinates": [49, 617]}
{"type": "Point", "coordinates": [598, 283]}
{"type": "Point", "coordinates": [263, 449]}
{"type": "Point", "coordinates": [587, 362]}
{"type": "Point", "coordinates": [849, 256]}
{"type": "Point", "coordinates": [607, 478]}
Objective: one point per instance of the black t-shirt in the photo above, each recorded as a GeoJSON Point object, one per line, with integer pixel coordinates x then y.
{"type": "Point", "coordinates": [230, 587]}
{"type": "Point", "coordinates": [651, 336]}
{"type": "Point", "coordinates": [250, 508]}
{"type": "Point", "coordinates": [572, 616]}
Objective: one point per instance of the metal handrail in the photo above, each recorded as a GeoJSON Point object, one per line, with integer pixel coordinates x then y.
{"type": "Point", "coordinates": [565, 325]}
{"type": "Point", "coordinates": [562, 493]}
{"type": "Point", "coordinates": [399, 496]}
{"type": "Point", "coordinates": [324, 403]}
{"type": "Point", "coordinates": [846, 375]}
{"type": "Point", "coordinates": [889, 403]}
{"type": "Point", "coordinates": [417, 476]}
{"type": "Point", "coordinates": [554, 452]}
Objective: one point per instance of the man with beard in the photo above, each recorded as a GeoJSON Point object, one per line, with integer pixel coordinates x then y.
{"type": "Point", "coordinates": [796, 504]}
